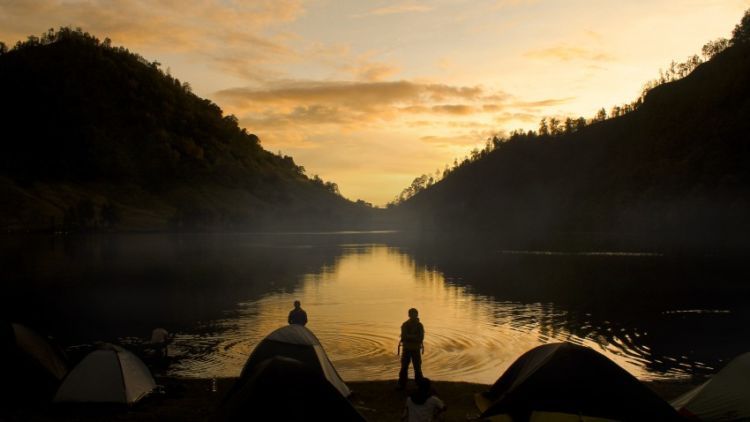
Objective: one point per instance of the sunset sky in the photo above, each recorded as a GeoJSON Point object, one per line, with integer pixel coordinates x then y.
{"type": "Point", "coordinates": [370, 94]}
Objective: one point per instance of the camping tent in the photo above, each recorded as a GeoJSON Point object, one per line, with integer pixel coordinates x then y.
{"type": "Point", "coordinates": [296, 342]}
{"type": "Point", "coordinates": [562, 380]}
{"type": "Point", "coordinates": [725, 397]}
{"type": "Point", "coordinates": [109, 374]}
{"type": "Point", "coordinates": [282, 388]}
{"type": "Point", "coordinates": [32, 368]}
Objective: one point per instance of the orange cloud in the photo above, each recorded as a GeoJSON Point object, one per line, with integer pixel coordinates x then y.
{"type": "Point", "coordinates": [535, 105]}
{"type": "Point", "coordinates": [567, 53]}
{"type": "Point", "coordinates": [229, 35]}
{"type": "Point", "coordinates": [447, 140]}
{"type": "Point", "coordinates": [460, 109]}
{"type": "Point", "coordinates": [508, 117]}
{"type": "Point", "coordinates": [396, 9]}
{"type": "Point", "coordinates": [282, 108]}
{"type": "Point", "coordinates": [502, 4]}
{"type": "Point", "coordinates": [372, 72]}
{"type": "Point", "coordinates": [469, 139]}
{"type": "Point", "coordinates": [363, 96]}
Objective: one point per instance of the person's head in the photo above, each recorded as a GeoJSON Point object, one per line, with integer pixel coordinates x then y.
{"type": "Point", "coordinates": [424, 391]}
{"type": "Point", "coordinates": [424, 385]}
{"type": "Point", "coordinates": [297, 304]}
{"type": "Point", "coordinates": [413, 313]}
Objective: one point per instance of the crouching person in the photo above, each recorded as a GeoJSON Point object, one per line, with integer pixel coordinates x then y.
{"type": "Point", "coordinates": [424, 405]}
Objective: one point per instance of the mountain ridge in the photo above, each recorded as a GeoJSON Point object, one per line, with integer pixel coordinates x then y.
{"type": "Point", "coordinates": [677, 168]}
{"type": "Point", "coordinates": [88, 125]}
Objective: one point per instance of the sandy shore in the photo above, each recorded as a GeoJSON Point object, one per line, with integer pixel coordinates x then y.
{"type": "Point", "coordinates": [193, 400]}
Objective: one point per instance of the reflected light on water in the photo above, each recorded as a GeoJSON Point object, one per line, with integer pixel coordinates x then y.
{"type": "Point", "coordinates": [356, 307]}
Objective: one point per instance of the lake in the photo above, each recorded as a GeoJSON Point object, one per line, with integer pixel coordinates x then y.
{"type": "Point", "coordinates": [659, 316]}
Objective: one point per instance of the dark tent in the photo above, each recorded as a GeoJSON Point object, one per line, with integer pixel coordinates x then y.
{"type": "Point", "coordinates": [296, 342]}
{"type": "Point", "coordinates": [286, 389]}
{"type": "Point", "coordinates": [32, 368]}
{"type": "Point", "coordinates": [555, 380]}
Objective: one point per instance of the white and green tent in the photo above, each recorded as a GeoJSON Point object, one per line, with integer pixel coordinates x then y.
{"type": "Point", "coordinates": [725, 397]}
{"type": "Point", "coordinates": [109, 374]}
{"type": "Point", "coordinates": [296, 342]}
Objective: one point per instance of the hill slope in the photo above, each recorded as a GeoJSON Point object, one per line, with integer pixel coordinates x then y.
{"type": "Point", "coordinates": [676, 169]}
{"type": "Point", "coordinates": [94, 135]}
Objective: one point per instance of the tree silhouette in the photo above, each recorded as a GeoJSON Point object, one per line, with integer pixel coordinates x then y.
{"type": "Point", "coordinates": [714, 47]}
{"type": "Point", "coordinates": [554, 126]}
{"type": "Point", "coordinates": [108, 118]}
{"type": "Point", "coordinates": [543, 128]}
{"type": "Point", "coordinates": [741, 32]}
{"type": "Point", "coordinates": [670, 166]}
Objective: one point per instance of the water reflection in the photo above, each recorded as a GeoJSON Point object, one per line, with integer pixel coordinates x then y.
{"type": "Point", "coordinates": [356, 306]}
{"type": "Point", "coordinates": [657, 316]}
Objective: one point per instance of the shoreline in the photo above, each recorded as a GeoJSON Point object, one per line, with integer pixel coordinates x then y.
{"type": "Point", "coordinates": [192, 399]}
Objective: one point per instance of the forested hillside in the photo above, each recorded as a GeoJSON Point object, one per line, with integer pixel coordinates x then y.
{"type": "Point", "coordinates": [97, 137]}
{"type": "Point", "coordinates": [675, 167]}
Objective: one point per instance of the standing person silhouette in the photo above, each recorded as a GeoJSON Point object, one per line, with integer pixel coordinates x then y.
{"type": "Point", "coordinates": [297, 315]}
{"type": "Point", "coordinates": [412, 336]}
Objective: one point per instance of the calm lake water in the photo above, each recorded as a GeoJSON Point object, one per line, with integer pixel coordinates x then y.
{"type": "Point", "coordinates": [658, 316]}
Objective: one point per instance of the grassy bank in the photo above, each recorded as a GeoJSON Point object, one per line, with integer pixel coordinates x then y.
{"type": "Point", "coordinates": [193, 400]}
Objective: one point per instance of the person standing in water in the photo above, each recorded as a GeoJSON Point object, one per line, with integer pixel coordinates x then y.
{"type": "Point", "coordinates": [297, 315]}
{"type": "Point", "coordinates": [412, 336]}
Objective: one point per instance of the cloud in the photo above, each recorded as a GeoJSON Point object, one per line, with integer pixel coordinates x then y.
{"type": "Point", "coordinates": [363, 96]}
{"type": "Point", "coordinates": [458, 109]}
{"type": "Point", "coordinates": [472, 138]}
{"type": "Point", "coordinates": [465, 124]}
{"type": "Point", "coordinates": [442, 140]}
{"type": "Point", "coordinates": [228, 35]}
{"type": "Point", "coordinates": [396, 9]}
{"type": "Point", "coordinates": [566, 53]}
{"type": "Point", "coordinates": [535, 105]}
{"type": "Point", "coordinates": [371, 71]}
{"type": "Point", "coordinates": [421, 123]}
{"type": "Point", "coordinates": [162, 22]}
{"type": "Point", "coordinates": [455, 109]}
{"type": "Point", "coordinates": [300, 116]}
{"type": "Point", "coordinates": [282, 107]}
{"type": "Point", "coordinates": [502, 4]}
{"type": "Point", "coordinates": [508, 117]}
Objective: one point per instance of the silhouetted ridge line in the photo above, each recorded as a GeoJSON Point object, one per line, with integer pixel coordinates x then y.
{"type": "Point", "coordinates": [676, 169]}
{"type": "Point", "coordinates": [95, 136]}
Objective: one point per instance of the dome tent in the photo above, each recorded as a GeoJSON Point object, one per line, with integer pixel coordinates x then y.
{"type": "Point", "coordinates": [563, 380]}
{"type": "Point", "coordinates": [32, 368]}
{"type": "Point", "coordinates": [296, 342]}
{"type": "Point", "coordinates": [724, 397]}
{"type": "Point", "coordinates": [282, 388]}
{"type": "Point", "coordinates": [109, 374]}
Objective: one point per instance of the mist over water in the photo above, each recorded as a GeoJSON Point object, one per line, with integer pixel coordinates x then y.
{"type": "Point", "coordinates": [481, 307]}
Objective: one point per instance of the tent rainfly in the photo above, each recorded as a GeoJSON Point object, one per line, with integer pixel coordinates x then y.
{"type": "Point", "coordinates": [296, 342]}
{"type": "Point", "coordinates": [109, 374]}
{"type": "Point", "coordinates": [564, 381]}
{"type": "Point", "coordinates": [32, 368]}
{"type": "Point", "coordinates": [724, 397]}
{"type": "Point", "coordinates": [285, 389]}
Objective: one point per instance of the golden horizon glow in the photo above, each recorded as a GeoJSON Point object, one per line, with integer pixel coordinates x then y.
{"type": "Point", "coordinates": [372, 94]}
